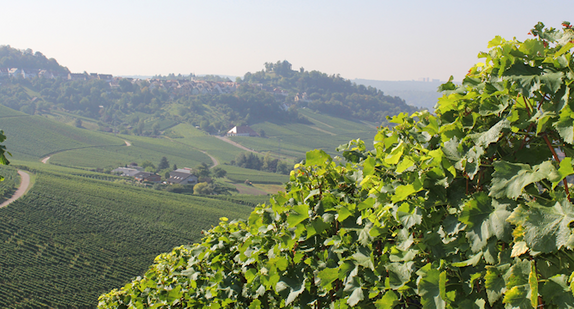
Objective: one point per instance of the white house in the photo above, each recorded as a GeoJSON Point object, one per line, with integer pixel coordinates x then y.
{"type": "Point", "coordinates": [242, 131]}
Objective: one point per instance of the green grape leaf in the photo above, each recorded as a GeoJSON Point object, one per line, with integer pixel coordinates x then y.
{"type": "Point", "coordinates": [494, 282]}
{"type": "Point", "coordinates": [388, 301]}
{"type": "Point", "coordinates": [402, 192]}
{"type": "Point", "coordinates": [546, 229]}
{"type": "Point", "coordinates": [509, 179]}
{"type": "Point", "coordinates": [369, 166]}
{"type": "Point", "coordinates": [316, 157]}
{"type": "Point", "coordinates": [565, 125]}
{"type": "Point", "coordinates": [564, 171]}
{"type": "Point", "coordinates": [491, 135]}
{"type": "Point", "coordinates": [409, 215]}
{"type": "Point", "coordinates": [327, 276]}
{"type": "Point", "coordinates": [485, 218]}
{"type": "Point", "coordinates": [298, 214]}
{"type": "Point", "coordinates": [429, 287]}
{"type": "Point", "coordinates": [557, 292]}
{"type": "Point", "coordinates": [399, 274]}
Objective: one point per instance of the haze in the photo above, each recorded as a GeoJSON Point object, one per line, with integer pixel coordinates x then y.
{"type": "Point", "coordinates": [380, 40]}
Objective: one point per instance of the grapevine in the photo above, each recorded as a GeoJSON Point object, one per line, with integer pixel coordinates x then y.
{"type": "Point", "coordinates": [466, 208]}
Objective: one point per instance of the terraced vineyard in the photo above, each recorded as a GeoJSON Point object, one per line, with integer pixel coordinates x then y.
{"type": "Point", "coordinates": [238, 174]}
{"type": "Point", "coordinates": [35, 137]}
{"type": "Point", "coordinates": [10, 183]}
{"type": "Point", "coordinates": [8, 112]}
{"type": "Point", "coordinates": [72, 238]}
{"type": "Point", "coordinates": [141, 149]}
{"type": "Point", "coordinates": [295, 140]}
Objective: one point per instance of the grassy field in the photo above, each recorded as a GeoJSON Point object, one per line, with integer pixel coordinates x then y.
{"type": "Point", "coordinates": [72, 238]}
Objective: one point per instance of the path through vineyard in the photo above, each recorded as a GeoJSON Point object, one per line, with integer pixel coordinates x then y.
{"type": "Point", "coordinates": [24, 184]}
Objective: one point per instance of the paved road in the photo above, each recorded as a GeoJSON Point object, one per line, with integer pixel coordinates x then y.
{"type": "Point", "coordinates": [24, 184]}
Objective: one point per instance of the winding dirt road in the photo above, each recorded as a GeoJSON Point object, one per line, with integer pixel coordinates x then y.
{"type": "Point", "coordinates": [24, 184]}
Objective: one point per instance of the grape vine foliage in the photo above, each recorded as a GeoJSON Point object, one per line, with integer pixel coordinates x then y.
{"type": "Point", "coordinates": [469, 207]}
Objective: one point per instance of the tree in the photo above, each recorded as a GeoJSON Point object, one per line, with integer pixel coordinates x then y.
{"type": "Point", "coordinates": [218, 172]}
{"type": "Point", "coordinates": [78, 123]}
{"type": "Point", "coordinates": [163, 164]}
{"type": "Point", "coordinates": [202, 170]}
{"type": "Point", "coordinates": [203, 188]}
{"type": "Point", "coordinates": [146, 164]}
{"type": "Point", "coordinates": [465, 208]}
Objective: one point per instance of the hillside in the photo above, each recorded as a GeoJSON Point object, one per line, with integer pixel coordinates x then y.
{"type": "Point", "coordinates": [27, 59]}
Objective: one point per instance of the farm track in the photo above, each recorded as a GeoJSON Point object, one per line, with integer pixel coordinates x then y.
{"type": "Point", "coordinates": [213, 159]}
{"type": "Point", "coordinates": [225, 139]}
{"type": "Point", "coordinates": [24, 184]}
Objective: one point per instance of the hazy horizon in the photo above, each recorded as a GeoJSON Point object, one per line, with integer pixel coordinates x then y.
{"type": "Point", "coordinates": [374, 40]}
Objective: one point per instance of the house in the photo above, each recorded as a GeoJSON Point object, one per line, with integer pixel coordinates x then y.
{"type": "Point", "coordinates": [182, 177]}
{"type": "Point", "coordinates": [128, 171]}
{"type": "Point", "coordinates": [107, 77]}
{"type": "Point", "coordinates": [76, 76]}
{"type": "Point", "coordinates": [147, 176]}
{"type": "Point", "coordinates": [14, 72]}
{"type": "Point", "coordinates": [29, 73]}
{"type": "Point", "coordinates": [242, 131]}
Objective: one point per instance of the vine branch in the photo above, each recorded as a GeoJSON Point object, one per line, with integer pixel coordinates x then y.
{"type": "Point", "coordinates": [557, 160]}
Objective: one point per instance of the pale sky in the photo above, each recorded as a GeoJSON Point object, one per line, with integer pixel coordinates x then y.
{"type": "Point", "coordinates": [380, 40]}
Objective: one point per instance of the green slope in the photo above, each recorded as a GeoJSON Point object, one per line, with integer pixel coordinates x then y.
{"type": "Point", "coordinates": [35, 136]}
{"type": "Point", "coordinates": [72, 238]}
{"type": "Point", "coordinates": [141, 149]}
{"type": "Point", "coordinates": [295, 140]}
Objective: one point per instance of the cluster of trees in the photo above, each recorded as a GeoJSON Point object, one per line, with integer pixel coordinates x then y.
{"type": "Point", "coordinates": [329, 94]}
{"type": "Point", "coordinates": [137, 107]}
{"type": "Point", "coordinates": [28, 59]}
{"type": "Point", "coordinates": [267, 163]}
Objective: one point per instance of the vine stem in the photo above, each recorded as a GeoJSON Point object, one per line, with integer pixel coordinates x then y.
{"type": "Point", "coordinates": [557, 160]}
{"type": "Point", "coordinates": [527, 106]}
